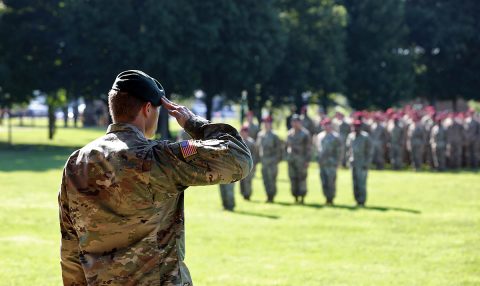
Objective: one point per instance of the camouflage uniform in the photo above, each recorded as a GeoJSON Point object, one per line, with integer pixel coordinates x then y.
{"type": "Point", "coordinates": [416, 135]}
{"type": "Point", "coordinates": [378, 135]}
{"type": "Point", "coordinates": [298, 155]}
{"type": "Point", "coordinates": [472, 144]}
{"type": "Point", "coordinates": [228, 196]}
{"type": "Point", "coordinates": [246, 184]}
{"type": "Point", "coordinates": [360, 153]}
{"type": "Point", "coordinates": [121, 202]}
{"type": "Point", "coordinates": [395, 144]}
{"type": "Point", "coordinates": [308, 124]}
{"type": "Point", "coordinates": [343, 129]}
{"type": "Point", "coordinates": [329, 147]}
{"type": "Point", "coordinates": [270, 149]}
{"type": "Point", "coordinates": [455, 140]}
{"type": "Point", "coordinates": [438, 145]}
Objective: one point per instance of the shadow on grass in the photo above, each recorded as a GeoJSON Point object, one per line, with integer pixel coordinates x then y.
{"type": "Point", "coordinates": [256, 214]}
{"type": "Point", "coordinates": [34, 158]}
{"type": "Point", "coordinates": [352, 208]}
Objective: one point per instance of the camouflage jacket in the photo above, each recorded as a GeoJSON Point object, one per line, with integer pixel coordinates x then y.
{"type": "Point", "coordinates": [360, 150]}
{"type": "Point", "coordinates": [121, 202]}
{"type": "Point", "coordinates": [329, 147]}
{"type": "Point", "coordinates": [270, 148]}
{"type": "Point", "coordinates": [299, 145]}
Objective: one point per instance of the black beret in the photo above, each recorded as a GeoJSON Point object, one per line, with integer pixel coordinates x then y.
{"type": "Point", "coordinates": [140, 85]}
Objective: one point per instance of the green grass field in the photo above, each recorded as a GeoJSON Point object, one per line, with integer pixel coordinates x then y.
{"type": "Point", "coordinates": [418, 229]}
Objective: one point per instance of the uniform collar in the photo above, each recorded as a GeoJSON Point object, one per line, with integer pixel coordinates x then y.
{"type": "Point", "coordinates": [124, 127]}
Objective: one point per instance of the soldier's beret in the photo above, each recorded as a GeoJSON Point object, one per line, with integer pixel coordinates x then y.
{"type": "Point", "coordinates": [139, 85]}
{"type": "Point", "coordinates": [357, 122]}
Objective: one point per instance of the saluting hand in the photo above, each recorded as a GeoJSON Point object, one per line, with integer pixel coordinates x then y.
{"type": "Point", "coordinates": [180, 112]}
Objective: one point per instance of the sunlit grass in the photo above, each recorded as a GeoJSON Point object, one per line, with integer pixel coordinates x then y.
{"type": "Point", "coordinates": [418, 229]}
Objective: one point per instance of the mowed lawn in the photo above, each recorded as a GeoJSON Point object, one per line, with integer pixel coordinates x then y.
{"type": "Point", "coordinates": [418, 228]}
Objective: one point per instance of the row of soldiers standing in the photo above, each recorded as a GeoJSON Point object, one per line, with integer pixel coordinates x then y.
{"type": "Point", "coordinates": [400, 137]}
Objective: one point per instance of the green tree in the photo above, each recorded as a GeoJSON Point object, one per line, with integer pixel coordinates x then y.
{"type": "Point", "coordinates": [315, 52]}
{"type": "Point", "coordinates": [380, 67]}
{"type": "Point", "coordinates": [445, 37]}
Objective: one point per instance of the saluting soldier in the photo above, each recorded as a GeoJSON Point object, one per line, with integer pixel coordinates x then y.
{"type": "Point", "coordinates": [298, 156]}
{"type": "Point", "coordinates": [121, 200]}
{"type": "Point", "coordinates": [360, 153]}
{"type": "Point", "coordinates": [270, 149]}
{"type": "Point", "coordinates": [329, 147]}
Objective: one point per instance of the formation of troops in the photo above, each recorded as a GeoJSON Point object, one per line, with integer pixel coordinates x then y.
{"type": "Point", "coordinates": [420, 138]}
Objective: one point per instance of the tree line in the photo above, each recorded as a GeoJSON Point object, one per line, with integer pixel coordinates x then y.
{"type": "Point", "coordinates": [376, 52]}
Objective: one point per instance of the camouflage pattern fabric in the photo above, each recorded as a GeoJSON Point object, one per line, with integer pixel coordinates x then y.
{"type": "Point", "coordinates": [329, 147]}
{"type": "Point", "coordinates": [246, 184]}
{"type": "Point", "coordinates": [270, 149]}
{"type": "Point", "coordinates": [121, 202]}
{"type": "Point", "coordinates": [253, 130]}
{"type": "Point", "coordinates": [438, 144]}
{"type": "Point", "coordinates": [395, 145]}
{"type": "Point", "coordinates": [360, 153]}
{"type": "Point", "coordinates": [228, 196]}
{"type": "Point", "coordinates": [378, 135]}
{"type": "Point", "coordinates": [416, 135]}
{"type": "Point", "coordinates": [298, 155]}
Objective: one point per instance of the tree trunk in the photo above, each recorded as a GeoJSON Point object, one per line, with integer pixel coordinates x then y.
{"type": "Point", "coordinates": [89, 114]}
{"type": "Point", "coordinates": [51, 122]}
{"type": "Point", "coordinates": [9, 127]}
{"type": "Point", "coordinates": [209, 105]}
{"type": "Point", "coordinates": [65, 116]}
{"type": "Point", "coordinates": [75, 112]}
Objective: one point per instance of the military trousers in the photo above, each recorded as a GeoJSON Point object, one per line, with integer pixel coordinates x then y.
{"type": "Point", "coordinates": [359, 175]}
{"type": "Point", "coordinates": [298, 177]}
{"type": "Point", "coordinates": [379, 156]}
{"type": "Point", "coordinates": [269, 174]}
{"type": "Point", "coordinates": [416, 155]}
{"type": "Point", "coordinates": [328, 176]}
{"type": "Point", "coordinates": [472, 158]}
{"type": "Point", "coordinates": [454, 153]}
{"type": "Point", "coordinates": [396, 157]}
{"type": "Point", "coordinates": [228, 196]}
{"type": "Point", "coordinates": [439, 157]}
{"type": "Point", "coordinates": [246, 184]}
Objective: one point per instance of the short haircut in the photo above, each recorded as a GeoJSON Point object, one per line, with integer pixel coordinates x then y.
{"type": "Point", "coordinates": [123, 107]}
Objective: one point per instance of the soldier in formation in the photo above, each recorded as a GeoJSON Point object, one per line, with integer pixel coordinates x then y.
{"type": "Point", "coordinates": [270, 149]}
{"type": "Point", "coordinates": [329, 149]}
{"type": "Point", "coordinates": [298, 149]}
{"type": "Point", "coordinates": [246, 184]}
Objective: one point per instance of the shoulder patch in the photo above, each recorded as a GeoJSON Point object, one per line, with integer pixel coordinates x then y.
{"type": "Point", "coordinates": [188, 148]}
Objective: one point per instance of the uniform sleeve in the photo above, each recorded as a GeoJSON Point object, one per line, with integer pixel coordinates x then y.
{"type": "Point", "coordinates": [72, 271]}
{"type": "Point", "coordinates": [217, 155]}
{"type": "Point", "coordinates": [369, 151]}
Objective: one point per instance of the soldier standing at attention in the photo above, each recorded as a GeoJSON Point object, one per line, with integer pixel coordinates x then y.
{"type": "Point", "coordinates": [270, 149]}
{"type": "Point", "coordinates": [360, 154]}
{"type": "Point", "coordinates": [378, 135]}
{"type": "Point", "coordinates": [253, 128]}
{"type": "Point", "coordinates": [329, 147]}
{"type": "Point", "coordinates": [121, 199]}
{"type": "Point", "coordinates": [343, 129]}
{"type": "Point", "coordinates": [438, 144]}
{"type": "Point", "coordinates": [472, 143]}
{"type": "Point", "coordinates": [416, 135]}
{"type": "Point", "coordinates": [298, 156]}
{"type": "Point", "coordinates": [395, 142]}
{"type": "Point", "coordinates": [455, 140]}
{"type": "Point", "coordinates": [246, 184]}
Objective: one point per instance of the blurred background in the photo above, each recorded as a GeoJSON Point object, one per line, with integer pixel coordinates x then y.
{"type": "Point", "coordinates": [223, 58]}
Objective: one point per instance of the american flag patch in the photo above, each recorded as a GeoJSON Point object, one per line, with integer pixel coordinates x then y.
{"type": "Point", "coordinates": [188, 148]}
